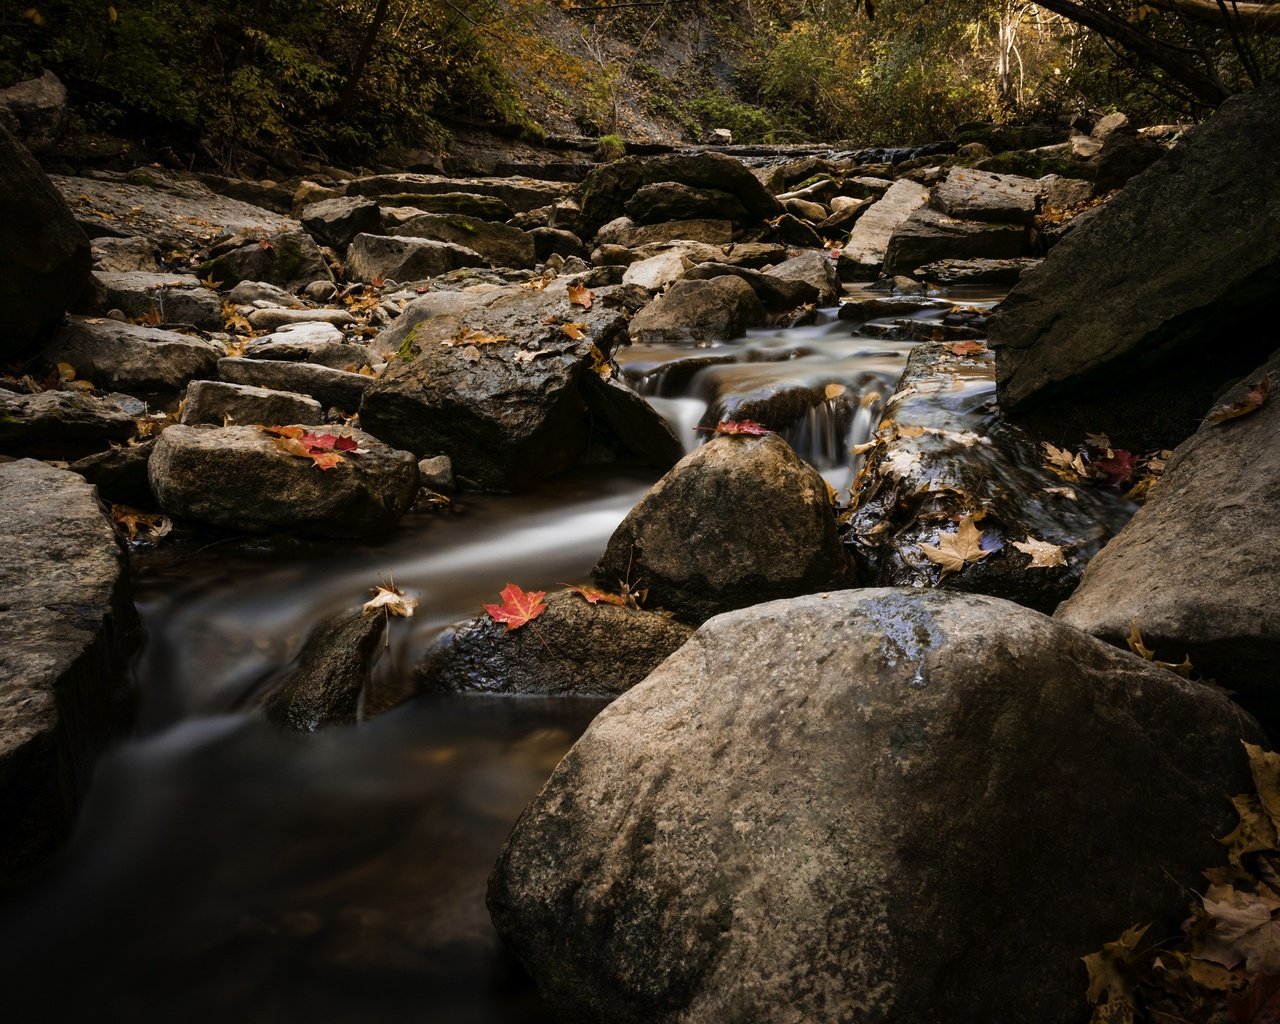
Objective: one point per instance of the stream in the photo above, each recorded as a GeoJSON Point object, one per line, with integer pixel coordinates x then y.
{"type": "Point", "coordinates": [222, 870]}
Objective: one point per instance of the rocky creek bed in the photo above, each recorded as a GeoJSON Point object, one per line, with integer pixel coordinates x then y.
{"type": "Point", "coordinates": [892, 678]}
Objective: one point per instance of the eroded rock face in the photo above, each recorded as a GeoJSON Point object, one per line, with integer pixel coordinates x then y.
{"type": "Point", "coordinates": [44, 255]}
{"type": "Point", "coordinates": [738, 521]}
{"type": "Point", "coordinates": [596, 650]}
{"type": "Point", "coordinates": [374, 257]}
{"type": "Point", "coordinates": [60, 424]}
{"type": "Point", "coordinates": [132, 358]}
{"type": "Point", "coordinates": [1195, 567]}
{"type": "Point", "coordinates": [236, 477]}
{"type": "Point", "coordinates": [693, 311]}
{"type": "Point", "coordinates": [1119, 308]}
{"type": "Point", "coordinates": [290, 259]}
{"type": "Point", "coordinates": [65, 631]}
{"type": "Point", "coordinates": [499, 244]}
{"type": "Point", "coordinates": [833, 808]}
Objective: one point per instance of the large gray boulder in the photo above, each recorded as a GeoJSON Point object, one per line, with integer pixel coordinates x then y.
{"type": "Point", "coordinates": [163, 298]}
{"type": "Point", "coordinates": [694, 311]}
{"type": "Point", "coordinates": [119, 355]}
{"type": "Point", "coordinates": [290, 259]}
{"type": "Point", "coordinates": [835, 808]}
{"type": "Point", "coordinates": [335, 222]}
{"type": "Point", "coordinates": [500, 244]}
{"type": "Point", "coordinates": [595, 650]}
{"type": "Point", "coordinates": [238, 478]}
{"type": "Point", "coordinates": [219, 402]}
{"type": "Point", "coordinates": [60, 424]}
{"type": "Point", "coordinates": [66, 627]}
{"type": "Point", "coordinates": [44, 254]}
{"type": "Point", "coordinates": [864, 252]}
{"type": "Point", "coordinates": [1157, 298]}
{"type": "Point", "coordinates": [381, 257]}
{"type": "Point", "coordinates": [608, 188]}
{"type": "Point", "coordinates": [968, 194]}
{"type": "Point", "coordinates": [1195, 567]}
{"type": "Point", "coordinates": [738, 521]}
{"type": "Point", "coordinates": [927, 236]}
{"type": "Point", "coordinates": [670, 200]}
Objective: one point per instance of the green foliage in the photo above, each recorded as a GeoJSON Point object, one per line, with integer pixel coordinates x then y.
{"type": "Point", "coordinates": [610, 147]}
{"type": "Point", "coordinates": [747, 122]}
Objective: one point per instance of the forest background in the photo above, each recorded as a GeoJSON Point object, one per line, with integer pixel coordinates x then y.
{"type": "Point", "coordinates": [355, 81]}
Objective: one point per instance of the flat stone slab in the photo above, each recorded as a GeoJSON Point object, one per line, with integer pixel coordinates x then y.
{"type": "Point", "coordinates": [274, 317]}
{"type": "Point", "coordinates": [405, 258]}
{"type": "Point", "coordinates": [318, 343]}
{"type": "Point", "coordinates": [326, 385]}
{"type": "Point", "coordinates": [65, 626]}
{"type": "Point", "coordinates": [132, 358]}
{"type": "Point", "coordinates": [969, 194]}
{"type": "Point", "coordinates": [60, 424]}
{"type": "Point", "coordinates": [171, 298]}
{"type": "Point", "coordinates": [219, 402]}
{"type": "Point", "coordinates": [864, 252]}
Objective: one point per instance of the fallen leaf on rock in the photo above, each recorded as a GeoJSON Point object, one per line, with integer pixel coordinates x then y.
{"type": "Point", "coordinates": [862, 449]}
{"type": "Point", "coordinates": [600, 364]}
{"type": "Point", "coordinates": [1043, 554]}
{"type": "Point", "coordinates": [966, 348]}
{"type": "Point", "coordinates": [518, 606]}
{"type": "Point", "coordinates": [594, 596]}
{"type": "Point", "coordinates": [900, 463]}
{"type": "Point", "coordinates": [264, 244]}
{"type": "Point", "coordinates": [734, 428]}
{"type": "Point", "coordinates": [539, 283]}
{"type": "Point", "coordinates": [1136, 645]}
{"type": "Point", "coordinates": [574, 331]}
{"type": "Point", "coordinates": [580, 295]}
{"type": "Point", "coordinates": [1067, 465]}
{"type": "Point", "coordinates": [468, 337]}
{"type": "Point", "coordinates": [833, 391]}
{"type": "Point", "coordinates": [1245, 930]}
{"type": "Point", "coordinates": [390, 600]}
{"type": "Point", "coordinates": [322, 449]}
{"type": "Point", "coordinates": [144, 525]}
{"type": "Point", "coordinates": [1252, 402]}
{"type": "Point", "coordinates": [956, 550]}
{"type": "Point", "coordinates": [1108, 973]}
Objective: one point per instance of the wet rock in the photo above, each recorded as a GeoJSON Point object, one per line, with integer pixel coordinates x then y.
{"type": "Point", "coordinates": [968, 194]}
{"type": "Point", "coordinates": [236, 478]}
{"type": "Point", "coordinates": [1123, 156]}
{"type": "Point", "coordinates": [548, 242]}
{"type": "Point", "coordinates": [796, 816]}
{"type": "Point", "coordinates": [623, 231]}
{"type": "Point", "coordinates": [315, 342]}
{"type": "Point", "coordinates": [120, 473]}
{"type": "Point", "coordinates": [1118, 308]}
{"type": "Point", "coordinates": [1194, 568]}
{"type": "Point", "coordinates": [793, 232]}
{"type": "Point", "coordinates": [262, 294]}
{"type": "Point", "coordinates": [175, 214]}
{"type": "Point", "coordinates": [670, 200]}
{"type": "Point", "coordinates": [517, 192]}
{"type": "Point", "coordinates": [463, 204]}
{"type": "Point", "coordinates": [698, 311]}
{"type": "Point", "coordinates": [636, 425]}
{"type": "Point", "coordinates": [332, 671]}
{"type": "Point", "coordinates": [815, 271]}
{"type": "Point", "coordinates": [66, 629]}
{"type": "Point", "coordinates": [131, 358]}
{"type": "Point", "coordinates": [595, 649]}
{"type": "Point", "coordinates": [859, 311]}
{"type": "Point", "coordinates": [326, 385]}
{"type": "Point", "coordinates": [164, 298]}
{"type": "Point", "coordinates": [218, 402]}
{"type": "Point", "coordinates": [273, 318]}
{"type": "Point", "coordinates": [927, 236]}
{"type": "Point", "coordinates": [500, 244]}
{"type": "Point", "coordinates": [335, 222]}
{"type": "Point", "coordinates": [436, 474]}
{"type": "Point", "coordinates": [976, 271]}
{"type": "Point", "coordinates": [939, 457]}
{"type": "Point", "coordinates": [864, 253]}
{"type": "Point", "coordinates": [374, 257]}
{"type": "Point", "coordinates": [60, 424]}
{"type": "Point", "coordinates": [739, 521]}
{"type": "Point", "coordinates": [44, 255]}
{"type": "Point", "coordinates": [122, 255]}
{"type": "Point", "coordinates": [775, 294]}
{"type": "Point", "coordinates": [35, 111]}
{"type": "Point", "coordinates": [290, 259]}
{"type": "Point", "coordinates": [608, 188]}
{"type": "Point", "coordinates": [506, 422]}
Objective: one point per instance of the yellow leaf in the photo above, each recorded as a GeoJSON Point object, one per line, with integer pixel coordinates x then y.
{"type": "Point", "coordinates": [1107, 980]}
{"type": "Point", "coordinates": [833, 391]}
{"type": "Point", "coordinates": [469, 337]}
{"type": "Point", "coordinates": [955, 550]}
{"type": "Point", "coordinates": [34, 16]}
{"type": "Point", "coordinates": [1135, 642]}
{"type": "Point", "coordinates": [113, 14]}
{"type": "Point", "coordinates": [390, 601]}
{"type": "Point", "coordinates": [1068, 465]}
{"type": "Point", "coordinates": [580, 295]}
{"type": "Point", "coordinates": [1043, 554]}
{"type": "Point", "coordinates": [576, 332]}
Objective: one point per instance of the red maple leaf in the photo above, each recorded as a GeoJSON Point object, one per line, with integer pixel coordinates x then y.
{"type": "Point", "coordinates": [518, 606]}
{"type": "Point", "coordinates": [966, 348]}
{"type": "Point", "coordinates": [737, 427]}
{"type": "Point", "coordinates": [1117, 470]}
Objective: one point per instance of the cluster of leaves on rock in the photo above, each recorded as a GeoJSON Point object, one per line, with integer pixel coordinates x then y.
{"type": "Point", "coordinates": [1229, 951]}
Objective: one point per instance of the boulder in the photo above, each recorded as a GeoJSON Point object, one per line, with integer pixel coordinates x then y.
{"type": "Point", "coordinates": [120, 473]}
{"type": "Point", "coordinates": [464, 204]}
{"type": "Point", "coordinates": [670, 200]}
{"type": "Point", "coordinates": [976, 271]}
{"type": "Point", "coordinates": [218, 402]}
{"type": "Point", "coordinates": [239, 479]}
{"type": "Point", "coordinates": [508, 413]}
{"type": "Point", "coordinates": [775, 294]}
{"type": "Point", "coordinates": [548, 242]}
{"type": "Point", "coordinates": [273, 318]}
{"type": "Point", "coordinates": [968, 194]}
{"type": "Point", "coordinates": [1159, 295]}
{"type": "Point", "coordinates": [500, 244]}
{"type": "Point", "coordinates": [656, 272]}
{"type": "Point", "coordinates": [60, 424]}
{"type": "Point", "coordinates": [698, 311]}
{"type": "Point", "coordinates": [834, 808]}
{"type": "Point", "coordinates": [331, 673]}
{"type": "Point", "coordinates": [162, 298]}
{"type": "Point", "coordinates": [518, 193]}
{"type": "Point", "coordinates": [816, 272]}
{"type": "Point", "coordinates": [806, 210]}
{"type": "Point", "coordinates": [864, 253]}
{"type": "Point", "coordinates": [66, 629]}
{"type": "Point", "coordinates": [35, 111]}
{"type": "Point", "coordinates": [1194, 568]}
{"type": "Point", "coordinates": [623, 231]}
{"type": "Point", "coordinates": [1122, 156]}
{"type": "Point", "coordinates": [596, 650]}
{"type": "Point", "coordinates": [261, 295]}
{"type": "Point", "coordinates": [927, 236]}
{"type": "Point", "coordinates": [738, 521]}
{"type": "Point", "coordinates": [793, 232]}
{"type": "Point", "coordinates": [314, 342]}
{"type": "Point", "coordinates": [608, 188]}
{"type": "Point", "coordinates": [290, 259]}
{"type": "Point", "coordinates": [1058, 193]}
{"type": "Point", "coordinates": [381, 257]}
{"type": "Point", "coordinates": [44, 255]}
{"type": "Point", "coordinates": [112, 354]}
{"type": "Point", "coordinates": [326, 385]}
{"type": "Point", "coordinates": [640, 431]}
{"type": "Point", "coordinates": [840, 224]}
{"type": "Point", "coordinates": [335, 222]}
{"type": "Point", "coordinates": [122, 255]}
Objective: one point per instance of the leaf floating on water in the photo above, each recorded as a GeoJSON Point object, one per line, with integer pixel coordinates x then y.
{"type": "Point", "coordinates": [1117, 469]}
{"type": "Point", "coordinates": [390, 600]}
{"type": "Point", "coordinates": [1252, 402]}
{"type": "Point", "coordinates": [1043, 554]}
{"type": "Point", "coordinates": [518, 606]}
{"type": "Point", "coordinates": [140, 525]}
{"type": "Point", "coordinates": [956, 550]}
{"type": "Point", "coordinates": [1067, 465]}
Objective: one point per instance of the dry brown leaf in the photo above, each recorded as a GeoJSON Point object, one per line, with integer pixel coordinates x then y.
{"type": "Point", "coordinates": [574, 331]}
{"type": "Point", "coordinates": [390, 600]}
{"type": "Point", "coordinates": [1067, 465]}
{"type": "Point", "coordinates": [1250, 403]}
{"type": "Point", "coordinates": [1108, 977]}
{"type": "Point", "coordinates": [833, 391]}
{"type": "Point", "coordinates": [468, 337]}
{"type": "Point", "coordinates": [955, 550]}
{"type": "Point", "coordinates": [580, 295]}
{"type": "Point", "coordinates": [1245, 931]}
{"type": "Point", "coordinates": [1043, 554]}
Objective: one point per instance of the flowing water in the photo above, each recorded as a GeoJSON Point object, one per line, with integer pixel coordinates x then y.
{"type": "Point", "coordinates": [222, 870]}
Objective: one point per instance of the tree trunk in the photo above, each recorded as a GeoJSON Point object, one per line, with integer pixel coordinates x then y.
{"type": "Point", "coordinates": [362, 59]}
